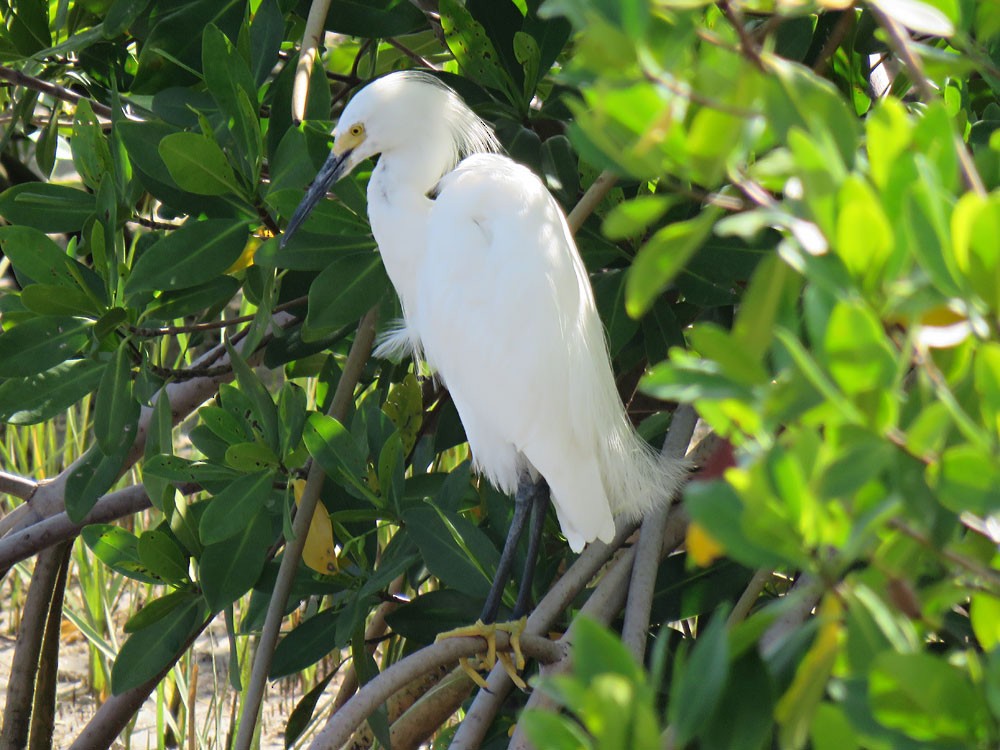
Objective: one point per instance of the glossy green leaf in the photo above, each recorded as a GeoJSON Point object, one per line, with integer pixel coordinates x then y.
{"type": "Point", "coordinates": [37, 398]}
{"type": "Point", "coordinates": [234, 508]}
{"type": "Point", "coordinates": [453, 549]}
{"type": "Point", "coordinates": [162, 556]}
{"type": "Point", "coordinates": [344, 291]}
{"type": "Point", "coordinates": [116, 417]}
{"type": "Point", "coordinates": [307, 643]}
{"type": "Point", "coordinates": [47, 206]}
{"type": "Point", "coordinates": [661, 258]}
{"type": "Point", "coordinates": [153, 649]}
{"type": "Point", "coordinates": [704, 679]}
{"type": "Point", "coordinates": [227, 569]}
{"type": "Point", "coordinates": [332, 446]}
{"type": "Point", "coordinates": [189, 256]}
{"type": "Point", "coordinates": [197, 164]}
{"type": "Point", "coordinates": [90, 478]}
{"type": "Point", "coordinates": [263, 418]}
{"type": "Point", "coordinates": [39, 344]}
{"type": "Point", "coordinates": [925, 697]}
{"type": "Point", "coordinates": [118, 549]}
{"type": "Point", "coordinates": [968, 479]}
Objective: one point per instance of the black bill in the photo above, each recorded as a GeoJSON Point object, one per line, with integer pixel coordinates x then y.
{"type": "Point", "coordinates": [332, 170]}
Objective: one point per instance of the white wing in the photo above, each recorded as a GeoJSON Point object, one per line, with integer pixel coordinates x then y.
{"type": "Point", "coordinates": [506, 315]}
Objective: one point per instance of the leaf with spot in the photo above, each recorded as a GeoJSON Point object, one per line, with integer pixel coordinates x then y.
{"type": "Point", "coordinates": [39, 344]}
{"type": "Point", "coordinates": [472, 48]}
{"type": "Point", "coordinates": [118, 549]}
{"type": "Point", "coordinates": [36, 398]}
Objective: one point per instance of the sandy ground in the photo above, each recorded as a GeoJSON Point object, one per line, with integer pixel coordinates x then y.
{"type": "Point", "coordinates": [76, 704]}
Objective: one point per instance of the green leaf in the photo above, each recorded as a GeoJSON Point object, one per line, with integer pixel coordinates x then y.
{"type": "Point", "coordinates": [40, 397]}
{"type": "Point", "coordinates": [546, 729]}
{"type": "Point", "coordinates": [381, 18]}
{"type": "Point", "coordinates": [91, 155]}
{"type": "Point", "coordinates": [343, 292]}
{"type": "Point", "coordinates": [700, 686]}
{"type": "Point", "coordinates": [264, 412]}
{"type": "Point", "coordinates": [51, 299]}
{"type": "Point", "coordinates": [925, 697]}
{"type": "Point", "coordinates": [633, 217]}
{"type": "Point", "coordinates": [118, 549]}
{"type": "Point", "coordinates": [453, 549]}
{"type": "Point", "coordinates": [857, 352]}
{"type": "Point", "coordinates": [149, 651]}
{"type": "Point", "coordinates": [162, 556]}
{"type": "Point", "coordinates": [41, 260]}
{"type": "Point", "coordinates": [985, 618]}
{"type": "Point", "coordinates": [967, 479]}
{"type": "Point", "coordinates": [177, 469]}
{"type": "Point", "coordinates": [228, 569]}
{"type": "Point", "coordinates": [44, 205]}
{"type": "Point", "coordinates": [116, 415]}
{"type": "Point", "coordinates": [307, 643]}
{"type": "Point", "coordinates": [301, 716]}
{"type": "Point", "coordinates": [224, 424]}
{"type": "Point", "coordinates": [473, 50]}
{"type": "Point", "coordinates": [329, 443]}
{"type": "Point", "coordinates": [189, 256]}
{"type": "Point", "coordinates": [662, 257]}
{"type": "Point", "coordinates": [197, 165]}
{"type": "Point", "coordinates": [91, 478]}
{"type": "Point", "coordinates": [251, 456]}
{"type": "Point", "coordinates": [39, 344]}
{"type": "Point", "coordinates": [172, 305]}
{"type": "Point", "coordinates": [232, 509]}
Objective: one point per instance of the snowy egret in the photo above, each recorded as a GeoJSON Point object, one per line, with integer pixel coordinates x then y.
{"type": "Point", "coordinates": [496, 299]}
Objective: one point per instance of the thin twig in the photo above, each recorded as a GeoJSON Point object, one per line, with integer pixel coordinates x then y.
{"type": "Point", "coordinates": [590, 200]}
{"type": "Point", "coordinates": [18, 78]}
{"type": "Point", "coordinates": [17, 486]}
{"type": "Point", "coordinates": [749, 596]}
{"type": "Point", "coordinates": [978, 570]}
{"type": "Point", "coordinates": [747, 43]}
{"type": "Point", "coordinates": [833, 42]}
{"type": "Point", "coordinates": [214, 324]}
{"type": "Point", "coordinates": [799, 603]}
{"type": "Point", "coordinates": [344, 395]}
{"type": "Point", "coordinates": [900, 43]}
{"type": "Point", "coordinates": [418, 59]}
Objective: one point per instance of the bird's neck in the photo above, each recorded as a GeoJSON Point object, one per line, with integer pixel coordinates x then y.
{"type": "Point", "coordinates": [398, 208]}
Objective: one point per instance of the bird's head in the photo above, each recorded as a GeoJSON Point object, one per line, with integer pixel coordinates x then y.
{"type": "Point", "coordinates": [407, 109]}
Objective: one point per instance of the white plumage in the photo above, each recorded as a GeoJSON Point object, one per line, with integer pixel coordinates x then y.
{"type": "Point", "coordinates": [497, 300]}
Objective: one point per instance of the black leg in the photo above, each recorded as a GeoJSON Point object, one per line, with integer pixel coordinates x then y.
{"type": "Point", "coordinates": [539, 509]}
{"type": "Point", "coordinates": [522, 505]}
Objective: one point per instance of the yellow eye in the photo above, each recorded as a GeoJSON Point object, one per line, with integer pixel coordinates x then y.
{"type": "Point", "coordinates": [357, 130]}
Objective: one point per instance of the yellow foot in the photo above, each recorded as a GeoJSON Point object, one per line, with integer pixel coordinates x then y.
{"type": "Point", "coordinates": [489, 634]}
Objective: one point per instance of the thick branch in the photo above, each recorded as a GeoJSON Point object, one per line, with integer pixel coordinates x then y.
{"type": "Point", "coordinates": [24, 667]}
{"type": "Point", "coordinates": [648, 552]}
{"type": "Point", "coordinates": [590, 200]}
{"type": "Point", "coordinates": [29, 541]}
{"type": "Point", "coordinates": [20, 487]}
{"type": "Point", "coordinates": [443, 653]}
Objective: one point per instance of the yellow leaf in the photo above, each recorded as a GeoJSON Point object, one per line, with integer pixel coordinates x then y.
{"type": "Point", "coordinates": [702, 548]}
{"type": "Point", "coordinates": [320, 552]}
{"type": "Point", "coordinates": [246, 257]}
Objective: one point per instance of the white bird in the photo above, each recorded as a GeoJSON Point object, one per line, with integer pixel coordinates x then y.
{"type": "Point", "coordinates": [496, 299]}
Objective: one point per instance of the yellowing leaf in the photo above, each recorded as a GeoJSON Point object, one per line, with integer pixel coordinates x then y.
{"type": "Point", "coordinates": [320, 552]}
{"type": "Point", "coordinates": [246, 257]}
{"type": "Point", "coordinates": [702, 548]}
